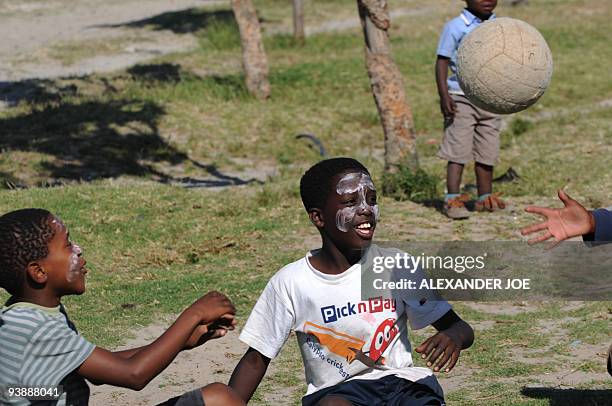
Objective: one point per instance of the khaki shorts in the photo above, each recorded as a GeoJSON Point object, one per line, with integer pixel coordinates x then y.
{"type": "Point", "coordinates": [473, 134]}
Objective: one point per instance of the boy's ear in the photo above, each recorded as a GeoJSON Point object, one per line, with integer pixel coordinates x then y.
{"type": "Point", "coordinates": [36, 272]}
{"type": "Point", "coordinates": [316, 217]}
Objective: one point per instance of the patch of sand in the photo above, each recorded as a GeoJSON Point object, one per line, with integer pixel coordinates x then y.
{"type": "Point", "coordinates": [212, 362]}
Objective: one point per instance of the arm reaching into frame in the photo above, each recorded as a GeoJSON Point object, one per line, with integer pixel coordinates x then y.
{"type": "Point", "coordinates": [572, 220]}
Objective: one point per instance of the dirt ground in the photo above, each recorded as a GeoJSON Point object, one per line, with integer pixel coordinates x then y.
{"type": "Point", "coordinates": [30, 28]}
{"type": "Point", "coordinates": [212, 362]}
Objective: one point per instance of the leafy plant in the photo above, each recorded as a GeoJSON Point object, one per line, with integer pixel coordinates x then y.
{"type": "Point", "coordinates": [416, 185]}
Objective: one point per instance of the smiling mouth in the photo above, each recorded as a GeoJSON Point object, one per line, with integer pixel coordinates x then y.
{"type": "Point", "coordinates": [365, 229]}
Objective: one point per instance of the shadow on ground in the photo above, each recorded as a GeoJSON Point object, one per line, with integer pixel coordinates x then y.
{"type": "Point", "coordinates": [83, 138]}
{"type": "Point", "coordinates": [186, 21]}
{"type": "Point", "coordinates": [570, 397]}
{"type": "Point", "coordinates": [34, 91]}
{"type": "Point", "coordinates": [227, 87]}
{"type": "Point", "coordinates": [155, 73]}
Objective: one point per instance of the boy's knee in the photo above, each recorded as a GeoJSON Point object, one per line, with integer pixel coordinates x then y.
{"type": "Point", "coordinates": [218, 394]}
{"type": "Point", "coordinates": [333, 400]}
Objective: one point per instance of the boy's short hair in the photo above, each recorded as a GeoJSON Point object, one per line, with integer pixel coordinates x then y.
{"type": "Point", "coordinates": [24, 237]}
{"type": "Point", "coordinates": [315, 184]}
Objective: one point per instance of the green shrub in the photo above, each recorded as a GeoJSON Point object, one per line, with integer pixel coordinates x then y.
{"type": "Point", "coordinates": [220, 34]}
{"type": "Point", "coordinates": [520, 126]}
{"type": "Point", "coordinates": [416, 185]}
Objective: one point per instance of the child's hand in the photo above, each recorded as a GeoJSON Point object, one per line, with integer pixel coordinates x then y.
{"type": "Point", "coordinates": [447, 106]}
{"type": "Point", "coordinates": [211, 307]}
{"type": "Point", "coordinates": [205, 332]}
{"type": "Point", "coordinates": [440, 349]}
{"type": "Point", "coordinates": [571, 221]}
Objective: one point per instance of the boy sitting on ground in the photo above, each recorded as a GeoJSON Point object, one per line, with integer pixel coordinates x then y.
{"type": "Point", "coordinates": [41, 347]}
{"type": "Point", "coordinates": [355, 352]}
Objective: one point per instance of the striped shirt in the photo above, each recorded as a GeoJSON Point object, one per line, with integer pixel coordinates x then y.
{"type": "Point", "coordinates": [39, 346]}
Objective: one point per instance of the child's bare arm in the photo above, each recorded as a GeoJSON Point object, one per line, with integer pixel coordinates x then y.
{"type": "Point", "coordinates": [199, 336]}
{"type": "Point", "coordinates": [442, 350]}
{"type": "Point", "coordinates": [135, 368]}
{"type": "Point", "coordinates": [447, 105]}
{"type": "Point", "coordinates": [248, 373]}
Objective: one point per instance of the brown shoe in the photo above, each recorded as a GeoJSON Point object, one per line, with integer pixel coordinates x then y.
{"type": "Point", "coordinates": [455, 208]}
{"type": "Point", "coordinates": [490, 203]}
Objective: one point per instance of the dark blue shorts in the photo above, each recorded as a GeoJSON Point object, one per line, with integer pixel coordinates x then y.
{"type": "Point", "coordinates": [387, 391]}
{"type": "Point", "coordinates": [192, 398]}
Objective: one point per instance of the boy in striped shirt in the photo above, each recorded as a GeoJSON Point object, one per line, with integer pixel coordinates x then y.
{"type": "Point", "coordinates": [40, 346]}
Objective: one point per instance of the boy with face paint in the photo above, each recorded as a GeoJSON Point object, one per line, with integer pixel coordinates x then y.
{"type": "Point", "coordinates": [355, 352]}
{"type": "Point", "coordinates": [40, 346]}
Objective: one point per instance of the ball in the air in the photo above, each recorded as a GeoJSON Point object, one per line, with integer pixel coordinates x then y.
{"type": "Point", "coordinates": [504, 65]}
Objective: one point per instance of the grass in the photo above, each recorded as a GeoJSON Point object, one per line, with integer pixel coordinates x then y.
{"type": "Point", "coordinates": [70, 52]}
{"type": "Point", "coordinates": [154, 248]}
{"type": "Point", "coordinates": [169, 247]}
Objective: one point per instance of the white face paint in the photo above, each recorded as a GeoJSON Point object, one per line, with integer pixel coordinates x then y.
{"type": "Point", "coordinates": [58, 222]}
{"type": "Point", "coordinates": [354, 182]}
{"type": "Point", "coordinates": [74, 270]}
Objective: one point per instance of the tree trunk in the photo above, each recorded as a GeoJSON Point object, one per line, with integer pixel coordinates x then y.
{"type": "Point", "coordinates": [388, 87]}
{"type": "Point", "coordinates": [253, 55]}
{"type": "Point", "coordinates": [298, 21]}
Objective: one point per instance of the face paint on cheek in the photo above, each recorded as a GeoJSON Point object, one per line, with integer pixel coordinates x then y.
{"type": "Point", "coordinates": [376, 212]}
{"type": "Point", "coordinates": [344, 218]}
{"type": "Point", "coordinates": [74, 270]}
{"type": "Point", "coordinates": [351, 183]}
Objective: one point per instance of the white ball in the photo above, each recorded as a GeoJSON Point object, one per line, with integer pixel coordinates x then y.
{"type": "Point", "coordinates": [504, 65]}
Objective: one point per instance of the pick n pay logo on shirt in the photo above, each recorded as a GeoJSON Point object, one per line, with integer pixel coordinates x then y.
{"type": "Point", "coordinates": [373, 305]}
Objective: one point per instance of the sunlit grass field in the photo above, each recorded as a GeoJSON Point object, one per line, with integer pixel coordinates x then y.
{"type": "Point", "coordinates": [110, 140]}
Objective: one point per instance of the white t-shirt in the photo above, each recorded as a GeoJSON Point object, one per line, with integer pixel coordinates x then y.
{"type": "Point", "coordinates": [336, 331]}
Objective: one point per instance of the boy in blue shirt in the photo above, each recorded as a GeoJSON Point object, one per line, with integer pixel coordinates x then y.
{"type": "Point", "coordinates": [40, 346]}
{"type": "Point", "coordinates": [469, 132]}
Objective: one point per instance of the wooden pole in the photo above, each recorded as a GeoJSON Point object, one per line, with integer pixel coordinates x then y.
{"type": "Point", "coordinates": [298, 21]}
{"type": "Point", "coordinates": [253, 54]}
{"type": "Point", "coordinates": [388, 87]}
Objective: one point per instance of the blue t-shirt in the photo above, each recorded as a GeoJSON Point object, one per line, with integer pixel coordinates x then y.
{"type": "Point", "coordinates": [603, 226]}
{"type": "Point", "coordinates": [451, 37]}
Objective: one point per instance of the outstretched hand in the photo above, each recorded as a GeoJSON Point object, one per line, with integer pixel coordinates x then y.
{"type": "Point", "coordinates": [211, 307]}
{"type": "Point", "coordinates": [571, 221]}
{"type": "Point", "coordinates": [205, 332]}
{"type": "Point", "coordinates": [441, 349]}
